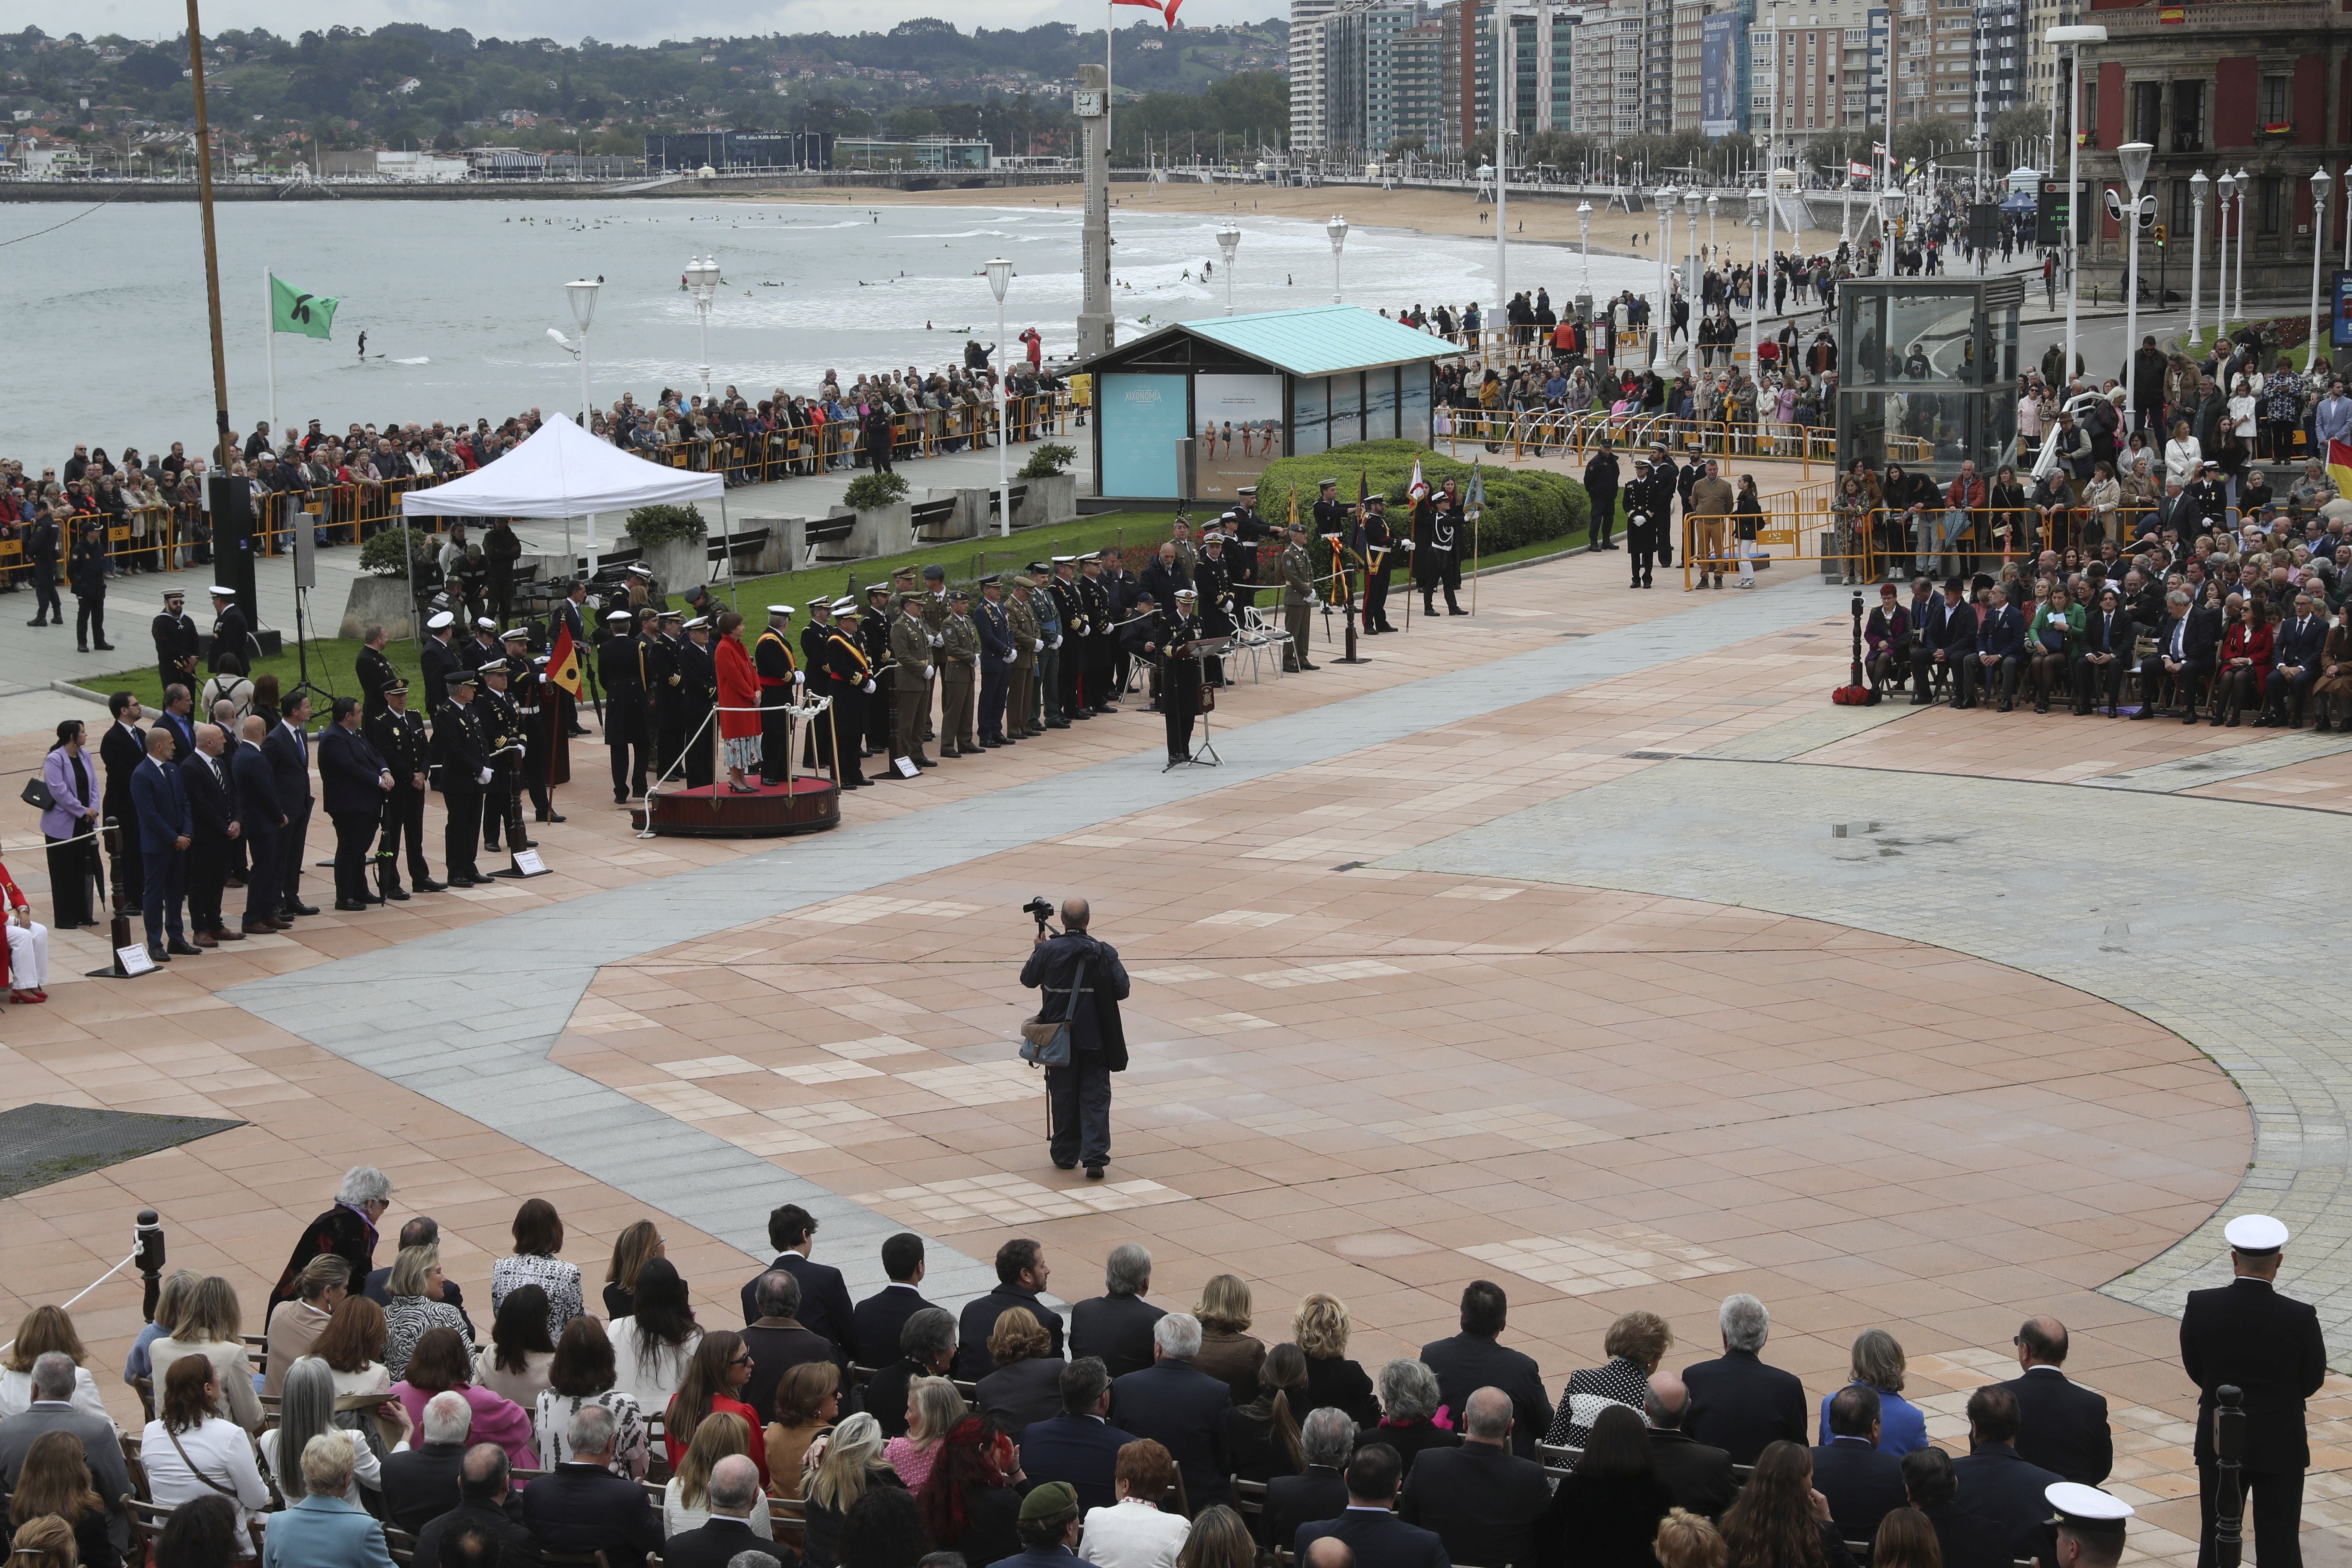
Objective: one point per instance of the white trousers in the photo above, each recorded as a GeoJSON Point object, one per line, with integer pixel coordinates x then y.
{"type": "Point", "coordinates": [29, 957]}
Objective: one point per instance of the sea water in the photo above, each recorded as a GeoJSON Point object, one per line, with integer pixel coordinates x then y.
{"type": "Point", "coordinates": [108, 343]}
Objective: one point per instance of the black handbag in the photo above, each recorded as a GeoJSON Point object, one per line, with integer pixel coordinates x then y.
{"type": "Point", "coordinates": [37, 795]}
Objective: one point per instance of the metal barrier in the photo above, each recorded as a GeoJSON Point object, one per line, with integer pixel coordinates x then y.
{"type": "Point", "coordinates": [1535, 431]}
{"type": "Point", "coordinates": [802, 449]}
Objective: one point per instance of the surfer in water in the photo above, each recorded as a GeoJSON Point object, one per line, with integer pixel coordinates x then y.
{"type": "Point", "coordinates": [362, 343]}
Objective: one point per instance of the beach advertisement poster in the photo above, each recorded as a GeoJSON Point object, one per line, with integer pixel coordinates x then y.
{"type": "Point", "coordinates": [1718, 90]}
{"type": "Point", "coordinates": [1238, 421]}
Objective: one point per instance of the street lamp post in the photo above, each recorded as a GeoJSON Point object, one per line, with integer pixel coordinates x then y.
{"type": "Point", "coordinates": [2081, 37]}
{"type": "Point", "coordinates": [1755, 283]}
{"type": "Point", "coordinates": [2134, 156]}
{"type": "Point", "coordinates": [1229, 240]}
{"type": "Point", "coordinates": [1661, 323]}
{"type": "Point", "coordinates": [1584, 242]}
{"type": "Point", "coordinates": [702, 280]}
{"type": "Point", "coordinates": [2198, 184]}
{"type": "Point", "coordinates": [2319, 184]}
{"type": "Point", "coordinates": [1338, 229]}
{"type": "Point", "coordinates": [2245, 189]}
{"type": "Point", "coordinates": [2225, 185]}
{"type": "Point", "coordinates": [1714, 200]}
{"type": "Point", "coordinates": [999, 273]}
{"type": "Point", "coordinates": [582, 291]}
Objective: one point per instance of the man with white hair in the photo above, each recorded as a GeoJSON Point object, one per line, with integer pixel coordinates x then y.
{"type": "Point", "coordinates": [348, 1229]}
{"type": "Point", "coordinates": [323, 1530]}
{"type": "Point", "coordinates": [1180, 1408]}
{"type": "Point", "coordinates": [1737, 1402]}
{"type": "Point", "coordinates": [421, 1484]}
{"type": "Point", "coordinates": [580, 1506]}
{"type": "Point", "coordinates": [734, 1489]}
{"type": "Point", "coordinates": [53, 1409]}
{"type": "Point", "coordinates": [1319, 1491]}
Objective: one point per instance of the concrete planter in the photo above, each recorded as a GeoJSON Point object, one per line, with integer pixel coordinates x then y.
{"type": "Point", "coordinates": [881, 530]}
{"type": "Point", "coordinates": [378, 602]}
{"type": "Point", "coordinates": [678, 562]}
{"type": "Point", "coordinates": [1054, 500]}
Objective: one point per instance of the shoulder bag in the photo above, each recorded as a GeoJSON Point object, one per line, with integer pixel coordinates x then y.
{"type": "Point", "coordinates": [36, 795]}
{"type": "Point", "coordinates": [1047, 1044]}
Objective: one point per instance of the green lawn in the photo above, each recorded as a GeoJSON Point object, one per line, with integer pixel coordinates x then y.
{"type": "Point", "coordinates": [1137, 533]}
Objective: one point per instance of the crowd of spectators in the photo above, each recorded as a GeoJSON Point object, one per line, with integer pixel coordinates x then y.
{"type": "Point", "coordinates": [874, 1434]}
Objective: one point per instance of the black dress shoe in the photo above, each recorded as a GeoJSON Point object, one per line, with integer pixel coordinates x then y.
{"type": "Point", "coordinates": [551, 817]}
{"type": "Point", "coordinates": [925, 762]}
{"type": "Point", "coordinates": [302, 908]}
{"type": "Point", "coordinates": [949, 752]}
{"type": "Point", "coordinates": [186, 949]}
{"type": "Point", "coordinates": [106, 648]}
{"type": "Point", "coordinates": [351, 906]}
{"type": "Point", "coordinates": [427, 885]}
{"type": "Point", "coordinates": [398, 895]}
{"type": "Point", "coordinates": [1065, 1164]}
{"type": "Point", "coordinates": [159, 955]}
{"type": "Point", "coordinates": [1094, 1173]}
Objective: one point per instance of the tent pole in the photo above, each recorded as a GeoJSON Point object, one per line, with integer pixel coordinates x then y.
{"type": "Point", "coordinates": [727, 542]}
{"type": "Point", "coordinates": [408, 559]}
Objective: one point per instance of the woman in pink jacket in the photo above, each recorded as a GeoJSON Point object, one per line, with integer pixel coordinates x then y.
{"type": "Point", "coordinates": [441, 1364]}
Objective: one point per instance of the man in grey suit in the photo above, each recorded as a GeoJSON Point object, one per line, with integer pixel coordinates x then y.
{"type": "Point", "coordinates": [52, 1410]}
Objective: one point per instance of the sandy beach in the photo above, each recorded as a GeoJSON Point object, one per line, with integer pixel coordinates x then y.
{"type": "Point", "coordinates": [1540, 220]}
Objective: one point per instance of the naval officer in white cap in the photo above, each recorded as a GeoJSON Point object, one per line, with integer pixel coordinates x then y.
{"type": "Point", "coordinates": [2089, 1527]}
{"type": "Point", "coordinates": [2245, 1333]}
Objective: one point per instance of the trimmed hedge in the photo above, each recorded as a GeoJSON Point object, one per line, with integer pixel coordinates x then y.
{"type": "Point", "coordinates": [661, 524]}
{"type": "Point", "coordinates": [1524, 506]}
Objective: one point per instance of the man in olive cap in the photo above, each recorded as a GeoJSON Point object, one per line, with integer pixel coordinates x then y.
{"type": "Point", "coordinates": [1049, 1529]}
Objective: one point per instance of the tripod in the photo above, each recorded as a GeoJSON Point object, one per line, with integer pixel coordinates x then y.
{"type": "Point", "coordinates": [1204, 754]}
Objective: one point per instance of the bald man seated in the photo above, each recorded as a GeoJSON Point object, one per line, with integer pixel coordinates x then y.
{"type": "Point", "coordinates": [1696, 1477]}
{"type": "Point", "coordinates": [1483, 1501]}
{"type": "Point", "coordinates": [2061, 1425]}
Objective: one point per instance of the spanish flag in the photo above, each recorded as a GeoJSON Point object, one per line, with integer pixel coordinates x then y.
{"type": "Point", "coordinates": [564, 662]}
{"type": "Point", "coordinates": [2339, 467]}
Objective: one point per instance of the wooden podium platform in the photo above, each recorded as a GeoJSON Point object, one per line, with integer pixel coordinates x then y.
{"type": "Point", "coordinates": [808, 805]}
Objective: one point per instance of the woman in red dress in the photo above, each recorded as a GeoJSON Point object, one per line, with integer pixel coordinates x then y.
{"type": "Point", "coordinates": [739, 708]}
{"type": "Point", "coordinates": [2245, 663]}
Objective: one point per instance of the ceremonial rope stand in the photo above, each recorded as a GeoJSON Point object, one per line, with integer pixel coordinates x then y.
{"type": "Point", "coordinates": [800, 803]}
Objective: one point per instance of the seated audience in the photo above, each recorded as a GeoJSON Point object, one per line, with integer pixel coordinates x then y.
{"type": "Point", "coordinates": [1696, 1477]}
{"type": "Point", "coordinates": [1483, 1501]}
{"type": "Point", "coordinates": [1368, 1527]}
{"type": "Point", "coordinates": [2061, 1425]}
{"type": "Point", "coordinates": [807, 1401]}
{"type": "Point", "coordinates": [878, 1321]}
{"type": "Point", "coordinates": [1021, 1274]}
{"type": "Point", "coordinates": [1180, 1408]}
{"type": "Point", "coordinates": [305, 1409]}
{"type": "Point", "coordinates": [1410, 1408]}
{"type": "Point", "coordinates": [713, 1386]}
{"type": "Point", "coordinates": [582, 1374]}
{"type": "Point", "coordinates": [1319, 1491]}
{"type": "Point", "coordinates": [211, 1325]}
{"type": "Point", "coordinates": [1027, 1383]}
{"type": "Point", "coordinates": [1963, 1539]}
{"type": "Point", "coordinates": [421, 1484]}
{"type": "Point", "coordinates": [442, 1364]}
{"type": "Point", "coordinates": [1263, 1435]}
{"type": "Point", "coordinates": [136, 1366]}
{"type": "Point", "coordinates": [735, 1522]}
{"type": "Point", "coordinates": [51, 1410]}
{"type": "Point", "coordinates": [514, 1364]}
{"type": "Point", "coordinates": [1859, 1478]}
{"type": "Point", "coordinates": [824, 1307]}
{"type": "Point", "coordinates": [1049, 1528]}
{"type": "Point", "coordinates": [1228, 1350]}
{"type": "Point", "coordinates": [933, 1410]}
{"type": "Point", "coordinates": [1476, 1358]}
{"type": "Point", "coordinates": [640, 1241]}
{"type": "Point", "coordinates": [1218, 1539]}
{"type": "Point", "coordinates": [415, 1305]}
{"type": "Point", "coordinates": [1737, 1402]}
{"type": "Point", "coordinates": [1687, 1540]}
{"type": "Point", "coordinates": [485, 1502]}
{"type": "Point", "coordinates": [968, 1503]}
{"type": "Point", "coordinates": [1116, 1326]}
{"type": "Point", "coordinates": [56, 1479]}
{"type": "Point", "coordinates": [1636, 1343]}
{"type": "Point", "coordinates": [1999, 1484]}
{"type": "Point", "coordinates": [1906, 1540]}
{"type": "Point", "coordinates": [652, 1348]}
{"type": "Point", "coordinates": [189, 1452]}
{"type": "Point", "coordinates": [537, 1238]}
{"type": "Point", "coordinates": [1877, 1364]}
{"type": "Point", "coordinates": [928, 1347]}
{"type": "Point", "coordinates": [353, 1347]}
{"type": "Point", "coordinates": [581, 1506]}
{"type": "Point", "coordinates": [1320, 1329]}
{"type": "Point", "coordinates": [849, 1466]}
{"type": "Point", "coordinates": [686, 1503]}
{"type": "Point", "coordinates": [1132, 1531]}
{"type": "Point", "coordinates": [1079, 1445]}
{"type": "Point", "coordinates": [1606, 1511]}
{"type": "Point", "coordinates": [322, 1529]}
{"type": "Point", "coordinates": [203, 1532]}
{"type": "Point", "coordinates": [1780, 1521]}
{"type": "Point", "coordinates": [295, 1326]}
{"type": "Point", "coordinates": [778, 1342]}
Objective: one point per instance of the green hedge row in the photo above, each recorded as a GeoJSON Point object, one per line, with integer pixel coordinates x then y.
{"type": "Point", "coordinates": [1524, 506]}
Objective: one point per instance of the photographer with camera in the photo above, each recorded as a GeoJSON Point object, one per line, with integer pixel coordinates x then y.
{"type": "Point", "coordinates": [1083, 984]}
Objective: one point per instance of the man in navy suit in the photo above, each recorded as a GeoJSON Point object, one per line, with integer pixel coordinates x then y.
{"type": "Point", "coordinates": [1021, 1277]}
{"type": "Point", "coordinates": [878, 1321]}
{"type": "Point", "coordinates": [123, 750]}
{"type": "Point", "coordinates": [212, 805]}
{"type": "Point", "coordinates": [1476, 1358]}
{"type": "Point", "coordinates": [1737, 1402]}
{"type": "Point", "coordinates": [1482, 1501]}
{"type": "Point", "coordinates": [165, 829]}
{"type": "Point", "coordinates": [1376, 1537]}
{"type": "Point", "coordinates": [264, 822]}
{"type": "Point", "coordinates": [2295, 660]}
{"type": "Point", "coordinates": [1946, 637]}
{"type": "Point", "coordinates": [1326, 1439]}
{"type": "Point", "coordinates": [825, 1299]}
{"type": "Point", "coordinates": [1183, 1409]}
{"type": "Point", "coordinates": [2108, 639]}
{"type": "Point", "coordinates": [1079, 1445]}
{"type": "Point", "coordinates": [1117, 1325]}
{"type": "Point", "coordinates": [355, 782]}
{"type": "Point", "coordinates": [2061, 1425]}
{"type": "Point", "coordinates": [1999, 654]}
{"type": "Point", "coordinates": [2001, 1487]}
{"type": "Point", "coordinates": [287, 750]}
{"type": "Point", "coordinates": [1965, 1539]}
{"type": "Point", "coordinates": [177, 717]}
{"type": "Point", "coordinates": [1862, 1485]}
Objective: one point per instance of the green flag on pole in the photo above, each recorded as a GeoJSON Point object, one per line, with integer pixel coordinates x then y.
{"type": "Point", "coordinates": [291, 310]}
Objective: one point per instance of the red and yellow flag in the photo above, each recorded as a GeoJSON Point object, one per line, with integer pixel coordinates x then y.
{"type": "Point", "coordinates": [564, 662]}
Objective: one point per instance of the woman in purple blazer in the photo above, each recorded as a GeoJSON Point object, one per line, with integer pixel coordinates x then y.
{"type": "Point", "coordinates": [71, 826]}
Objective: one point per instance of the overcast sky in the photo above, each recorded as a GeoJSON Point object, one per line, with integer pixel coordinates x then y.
{"type": "Point", "coordinates": [614, 21]}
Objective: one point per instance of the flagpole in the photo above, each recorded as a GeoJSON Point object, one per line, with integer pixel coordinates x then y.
{"type": "Point", "coordinates": [270, 342]}
{"type": "Point", "coordinates": [223, 445]}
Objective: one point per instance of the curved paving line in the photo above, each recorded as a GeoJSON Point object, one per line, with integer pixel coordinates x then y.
{"type": "Point", "coordinates": [471, 1037]}
{"type": "Point", "coordinates": [2211, 917]}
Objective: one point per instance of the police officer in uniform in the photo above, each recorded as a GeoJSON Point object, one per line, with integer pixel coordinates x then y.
{"type": "Point", "coordinates": [461, 761]}
{"type": "Point", "coordinates": [844, 674]}
{"type": "Point", "coordinates": [2270, 1347]}
{"type": "Point", "coordinates": [959, 665]}
{"type": "Point", "coordinates": [994, 623]}
{"type": "Point", "coordinates": [1245, 530]}
{"type": "Point", "coordinates": [1600, 484]}
{"type": "Point", "coordinates": [698, 689]}
{"type": "Point", "coordinates": [780, 677]}
{"type": "Point", "coordinates": [659, 673]}
{"type": "Point", "coordinates": [376, 675]}
{"type": "Point", "coordinates": [1377, 546]}
{"type": "Point", "coordinates": [398, 736]}
{"type": "Point", "coordinates": [1069, 607]}
{"type": "Point", "coordinates": [1297, 575]}
{"type": "Point", "coordinates": [1177, 627]}
{"type": "Point", "coordinates": [502, 727]}
{"type": "Point", "coordinates": [1213, 585]}
{"type": "Point", "coordinates": [1648, 503]}
{"type": "Point", "coordinates": [230, 632]}
{"type": "Point", "coordinates": [873, 642]}
{"type": "Point", "coordinates": [626, 737]}
{"type": "Point", "coordinates": [439, 660]}
{"type": "Point", "coordinates": [175, 643]}
{"type": "Point", "coordinates": [911, 657]}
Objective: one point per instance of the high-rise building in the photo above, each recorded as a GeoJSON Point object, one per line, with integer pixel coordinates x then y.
{"type": "Point", "coordinates": [1690, 25]}
{"type": "Point", "coordinates": [1931, 61]}
{"type": "Point", "coordinates": [1821, 53]}
{"type": "Point", "coordinates": [1546, 63]}
{"type": "Point", "coordinates": [1999, 75]}
{"type": "Point", "coordinates": [1306, 84]}
{"type": "Point", "coordinates": [1610, 64]}
{"type": "Point", "coordinates": [1378, 63]}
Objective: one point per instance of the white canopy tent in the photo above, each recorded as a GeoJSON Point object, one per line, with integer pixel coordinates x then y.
{"type": "Point", "coordinates": [561, 472]}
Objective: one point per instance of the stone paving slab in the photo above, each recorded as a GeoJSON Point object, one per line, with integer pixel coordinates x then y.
{"type": "Point", "coordinates": [2001, 869]}
{"type": "Point", "coordinates": [2255, 756]}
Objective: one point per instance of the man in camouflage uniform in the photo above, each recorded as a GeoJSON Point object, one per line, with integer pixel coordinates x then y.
{"type": "Point", "coordinates": [1297, 573]}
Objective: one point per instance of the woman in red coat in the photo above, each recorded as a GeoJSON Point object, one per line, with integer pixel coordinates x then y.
{"type": "Point", "coordinates": [738, 704]}
{"type": "Point", "coordinates": [2245, 662]}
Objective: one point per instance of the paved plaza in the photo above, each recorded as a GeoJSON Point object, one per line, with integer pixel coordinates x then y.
{"type": "Point", "coordinates": [1583, 945]}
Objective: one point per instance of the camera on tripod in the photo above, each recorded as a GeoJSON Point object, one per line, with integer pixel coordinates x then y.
{"type": "Point", "coordinates": [1039, 911]}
